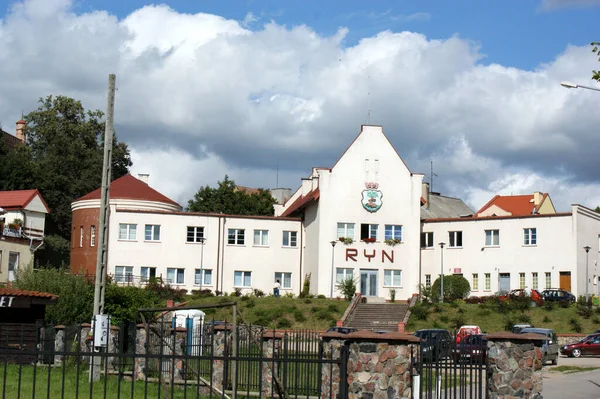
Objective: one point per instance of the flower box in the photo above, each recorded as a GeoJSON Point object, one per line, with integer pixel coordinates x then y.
{"type": "Point", "coordinates": [369, 239]}
{"type": "Point", "coordinates": [392, 241]}
{"type": "Point", "coordinates": [346, 240]}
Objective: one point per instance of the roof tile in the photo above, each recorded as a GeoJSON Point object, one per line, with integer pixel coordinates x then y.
{"type": "Point", "coordinates": [5, 291]}
{"type": "Point", "coordinates": [19, 199]}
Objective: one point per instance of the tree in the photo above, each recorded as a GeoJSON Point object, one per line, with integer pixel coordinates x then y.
{"type": "Point", "coordinates": [597, 209]}
{"type": "Point", "coordinates": [63, 159]}
{"type": "Point", "coordinates": [595, 50]}
{"type": "Point", "coordinates": [455, 287]}
{"type": "Point", "coordinates": [227, 199]}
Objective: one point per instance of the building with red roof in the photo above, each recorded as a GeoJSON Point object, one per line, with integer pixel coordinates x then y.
{"type": "Point", "coordinates": [22, 225]}
{"type": "Point", "coordinates": [518, 205]}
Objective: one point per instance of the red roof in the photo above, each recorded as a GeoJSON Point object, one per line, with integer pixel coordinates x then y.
{"type": "Point", "coordinates": [301, 202]}
{"type": "Point", "coordinates": [19, 199]}
{"type": "Point", "coordinates": [129, 187]}
{"type": "Point", "coordinates": [16, 292]}
{"type": "Point", "coordinates": [517, 205]}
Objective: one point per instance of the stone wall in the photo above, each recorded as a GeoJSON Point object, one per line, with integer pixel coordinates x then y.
{"type": "Point", "coordinates": [566, 339]}
{"type": "Point", "coordinates": [515, 365]}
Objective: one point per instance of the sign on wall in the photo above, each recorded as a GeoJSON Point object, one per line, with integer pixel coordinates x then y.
{"type": "Point", "coordinates": [372, 197]}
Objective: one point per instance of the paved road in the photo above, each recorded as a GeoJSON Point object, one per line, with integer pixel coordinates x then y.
{"type": "Point", "coordinates": [584, 385]}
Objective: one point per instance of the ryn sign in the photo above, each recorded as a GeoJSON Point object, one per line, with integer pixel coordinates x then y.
{"type": "Point", "coordinates": [6, 301]}
{"type": "Point", "coordinates": [352, 254]}
{"type": "Point", "coordinates": [15, 302]}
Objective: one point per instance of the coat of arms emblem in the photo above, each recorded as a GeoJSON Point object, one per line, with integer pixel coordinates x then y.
{"type": "Point", "coordinates": [371, 197]}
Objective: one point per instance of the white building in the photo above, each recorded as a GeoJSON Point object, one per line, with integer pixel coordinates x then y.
{"type": "Point", "coordinates": [367, 216]}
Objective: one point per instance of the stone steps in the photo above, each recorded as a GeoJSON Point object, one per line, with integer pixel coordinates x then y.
{"type": "Point", "coordinates": [377, 316]}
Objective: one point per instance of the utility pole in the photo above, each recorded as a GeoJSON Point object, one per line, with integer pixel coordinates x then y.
{"type": "Point", "coordinates": [104, 216]}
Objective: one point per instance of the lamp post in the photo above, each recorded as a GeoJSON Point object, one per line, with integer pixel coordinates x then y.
{"type": "Point", "coordinates": [570, 85]}
{"type": "Point", "coordinates": [441, 244]}
{"type": "Point", "coordinates": [587, 253]}
{"type": "Point", "coordinates": [332, 266]}
{"type": "Point", "coordinates": [202, 241]}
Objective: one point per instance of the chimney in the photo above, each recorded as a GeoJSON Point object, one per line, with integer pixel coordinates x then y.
{"type": "Point", "coordinates": [425, 194]}
{"type": "Point", "coordinates": [144, 177]}
{"type": "Point", "coordinates": [537, 198]}
{"type": "Point", "coordinates": [20, 132]}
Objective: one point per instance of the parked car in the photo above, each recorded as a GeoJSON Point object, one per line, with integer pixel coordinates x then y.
{"type": "Point", "coordinates": [342, 330]}
{"type": "Point", "coordinates": [518, 327]}
{"type": "Point", "coordinates": [467, 330]}
{"type": "Point", "coordinates": [550, 347]}
{"type": "Point", "coordinates": [558, 295]}
{"type": "Point", "coordinates": [589, 345]}
{"type": "Point", "coordinates": [472, 348]}
{"type": "Point", "coordinates": [437, 345]}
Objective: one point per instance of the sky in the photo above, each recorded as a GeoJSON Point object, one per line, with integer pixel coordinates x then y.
{"type": "Point", "coordinates": [264, 90]}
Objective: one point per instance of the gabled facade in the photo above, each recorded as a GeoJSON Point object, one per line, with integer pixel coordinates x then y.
{"type": "Point", "coordinates": [22, 225]}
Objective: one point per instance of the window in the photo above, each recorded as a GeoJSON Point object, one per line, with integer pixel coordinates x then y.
{"type": "Point", "coordinates": [261, 238]}
{"type": "Point", "coordinates": [147, 273]}
{"type": "Point", "coordinates": [175, 276]}
{"type": "Point", "coordinates": [488, 281]}
{"type": "Point", "coordinates": [290, 238]}
{"type": "Point", "coordinates": [235, 237]}
{"type": "Point", "coordinates": [93, 236]}
{"type": "Point", "coordinates": [242, 279]}
{"type": "Point", "coordinates": [207, 280]}
{"type": "Point", "coordinates": [393, 232]}
{"type": "Point", "coordinates": [428, 281]}
{"type": "Point", "coordinates": [152, 232]}
{"type": "Point", "coordinates": [530, 236]}
{"type": "Point", "coordinates": [492, 238]}
{"type": "Point", "coordinates": [81, 237]}
{"type": "Point", "coordinates": [534, 281]}
{"type": "Point", "coordinates": [368, 231]}
{"type": "Point", "coordinates": [345, 230]}
{"type": "Point", "coordinates": [475, 284]}
{"type": "Point", "coordinates": [548, 280]}
{"type": "Point", "coordinates": [124, 274]}
{"type": "Point", "coordinates": [392, 278]}
{"type": "Point", "coordinates": [127, 231]}
{"type": "Point", "coordinates": [285, 279]}
{"type": "Point", "coordinates": [195, 234]}
{"type": "Point", "coordinates": [427, 240]}
{"type": "Point", "coordinates": [342, 273]}
{"type": "Point", "coordinates": [455, 238]}
{"type": "Point", "coordinates": [521, 280]}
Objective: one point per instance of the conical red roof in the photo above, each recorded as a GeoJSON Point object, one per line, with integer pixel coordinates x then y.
{"type": "Point", "coordinates": [128, 187]}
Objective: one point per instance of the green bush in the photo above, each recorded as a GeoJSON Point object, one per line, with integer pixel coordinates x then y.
{"type": "Point", "coordinates": [250, 303]}
{"type": "Point", "coordinates": [458, 321]}
{"type": "Point", "coordinates": [299, 316]}
{"type": "Point", "coordinates": [444, 318]}
{"type": "Point", "coordinates": [75, 294]}
{"type": "Point", "coordinates": [455, 287]}
{"type": "Point", "coordinates": [524, 318]}
{"type": "Point", "coordinates": [575, 325]}
{"type": "Point", "coordinates": [548, 305]}
{"type": "Point", "coordinates": [509, 322]}
{"type": "Point", "coordinates": [547, 319]}
{"type": "Point", "coordinates": [420, 311]}
{"type": "Point", "coordinates": [123, 303]}
{"type": "Point", "coordinates": [347, 287]}
{"type": "Point", "coordinates": [584, 311]}
{"type": "Point", "coordinates": [305, 287]}
{"type": "Point", "coordinates": [284, 323]}
{"type": "Point", "coordinates": [321, 296]}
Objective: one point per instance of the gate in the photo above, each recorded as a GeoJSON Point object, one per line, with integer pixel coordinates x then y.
{"type": "Point", "coordinates": [447, 369]}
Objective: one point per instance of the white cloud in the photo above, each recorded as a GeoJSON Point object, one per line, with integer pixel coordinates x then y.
{"type": "Point", "coordinates": [554, 4]}
{"type": "Point", "coordinates": [201, 96]}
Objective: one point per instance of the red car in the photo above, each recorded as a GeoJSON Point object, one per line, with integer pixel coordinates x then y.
{"type": "Point", "coordinates": [589, 345]}
{"type": "Point", "coordinates": [518, 293]}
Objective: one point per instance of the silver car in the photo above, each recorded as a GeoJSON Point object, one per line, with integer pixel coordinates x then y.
{"type": "Point", "coordinates": [550, 347]}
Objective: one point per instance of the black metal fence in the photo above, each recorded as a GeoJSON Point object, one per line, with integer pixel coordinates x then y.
{"type": "Point", "coordinates": [451, 368]}
{"type": "Point", "coordinates": [162, 360]}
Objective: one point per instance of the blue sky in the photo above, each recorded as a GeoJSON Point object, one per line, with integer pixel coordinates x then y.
{"type": "Point", "coordinates": [209, 88]}
{"type": "Point", "coordinates": [520, 33]}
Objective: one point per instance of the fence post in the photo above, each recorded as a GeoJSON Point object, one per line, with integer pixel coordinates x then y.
{"type": "Point", "coordinates": [330, 372]}
{"type": "Point", "coordinates": [271, 345]}
{"type": "Point", "coordinates": [59, 344]}
{"type": "Point", "coordinates": [141, 339]}
{"type": "Point", "coordinates": [515, 365]}
{"type": "Point", "coordinates": [218, 350]}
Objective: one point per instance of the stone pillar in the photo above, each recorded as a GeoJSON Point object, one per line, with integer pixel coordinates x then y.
{"type": "Point", "coordinates": [271, 348]}
{"type": "Point", "coordinates": [515, 365]}
{"type": "Point", "coordinates": [59, 344]}
{"type": "Point", "coordinates": [218, 351]}
{"type": "Point", "coordinates": [141, 348]}
{"type": "Point", "coordinates": [113, 347]}
{"type": "Point", "coordinates": [85, 341]}
{"type": "Point", "coordinates": [330, 372]}
{"type": "Point", "coordinates": [179, 349]}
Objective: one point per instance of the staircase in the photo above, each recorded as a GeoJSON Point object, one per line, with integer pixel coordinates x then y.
{"type": "Point", "coordinates": [377, 316]}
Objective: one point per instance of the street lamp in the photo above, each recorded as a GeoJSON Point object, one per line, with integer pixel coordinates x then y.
{"type": "Point", "coordinates": [441, 244]}
{"type": "Point", "coordinates": [332, 266]}
{"type": "Point", "coordinates": [570, 85]}
{"type": "Point", "coordinates": [202, 241]}
{"type": "Point", "coordinates": [587, 252]}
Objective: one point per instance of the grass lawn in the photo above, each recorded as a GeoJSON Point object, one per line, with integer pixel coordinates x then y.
{"type": "Point", "coordinates": [572, 369]}
{"type": "Point", "coordinates": [281, 313]}
{"type": "Point", "coordinates": [491, 318]}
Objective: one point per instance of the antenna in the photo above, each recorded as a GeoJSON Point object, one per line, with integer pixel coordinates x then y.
{"type": "Point", "coordinates": [368, 99]}
{"type": "Point", "coordinates": [277, 176]}
{"type": "Point", "coordinates": [431, 175]}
